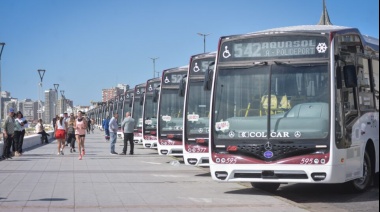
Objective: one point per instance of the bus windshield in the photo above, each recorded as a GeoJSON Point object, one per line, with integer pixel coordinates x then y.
{"type": "Point", "coordinates": [171, 107]}
{"type": "Point", "coordinates": [275, 101]}
{"type": "Point", "coordinates": [198, 107]}
{"type": "Point", "coordinates": [150, 111]}
{"type": "Point", "coordinates": [137, 113]}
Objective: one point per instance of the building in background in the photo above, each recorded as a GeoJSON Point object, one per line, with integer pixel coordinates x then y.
{"type": "Point", "coordinates": [28, 109]}
{"type": "Point", "coordinates": [49, 109]}
{"type": "Point", "coordinates": [5, 96]}
{"type": "Point", "coordinates": [64, 105]}
{"type": "Point", "coordinates": [123, 87]}
{"type": "Point", "coordinates": [11, 103]}
{"type": "Point", "coordinates": [111, 93]}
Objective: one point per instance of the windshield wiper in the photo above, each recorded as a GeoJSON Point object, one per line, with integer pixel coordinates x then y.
{"type": "Point", "coordinates": [282, 63]}
{"type": "Point", "coordinates": [246, 65]}
{"type": "Point", "coordinates": [263, 63]}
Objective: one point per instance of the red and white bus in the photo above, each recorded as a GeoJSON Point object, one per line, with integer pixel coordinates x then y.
{"type": "Point", "coordinates": [170, 112]}
{"type": "Point", "coordinates": [150, 110]}
{"type": "Point", "coordinates": [196, 111]}
{"type": "Point", "coordinates": [137, 112]}
{"type": "Point", "coordinates": [296, 105]}
{"type": "Point", "coordinates": [127, 106]}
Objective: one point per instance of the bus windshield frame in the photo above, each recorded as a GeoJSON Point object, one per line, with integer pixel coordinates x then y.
{"type": "Point", "coordinates": [171, 111]}
{"type": "Point", "coordinates": [256, 100]}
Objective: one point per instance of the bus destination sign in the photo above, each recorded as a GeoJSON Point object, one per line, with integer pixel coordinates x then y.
{"type": "Point", "coordinates": [152, 86]}
{"type": "Point", "coordinates": [274, 47]}
{"type": "Point", "coordinates": [171, 78]}
{"type": "Point", "coordinates": [139, 91]}
{"type": "Point", "coordinates": [199, 67]}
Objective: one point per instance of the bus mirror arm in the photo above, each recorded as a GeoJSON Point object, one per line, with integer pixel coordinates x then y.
{"type": "Point", "coordinates": [155, 95]}
{"type": "Point", "coordinates": [208, 80]}
{"type": "Point", "coordinates": [182, 86]}
{"type": "Point", "coordinates": [142, 100]}
{"type": "Point", "coordinates": [350, 77]}
{"type": "Point", "coordinates": [338, 72]}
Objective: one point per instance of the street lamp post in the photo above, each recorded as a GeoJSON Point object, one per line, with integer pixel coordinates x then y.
{"type": "Point", "coordinates": [204, 40]}
{"type": "Point", "coordinates": [41, 73]}
{"type": "Point", "coordinates": [63, 100]}
{"type": "Point", "coordinates": [154, 65]}
{"type": "Point", "coordinates": [1, 111]}
{"type": "Point", "coordinates": [56, 86]}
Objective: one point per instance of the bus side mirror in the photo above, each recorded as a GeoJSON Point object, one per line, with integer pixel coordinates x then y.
{"type": "Point", "coordinates": [182, 86]}
{"type": "Point", "coordinates": [142, 99]}
{"type": "Point", "coordinates": [156, 94]}
{"type": "Point", "coordinates": [208, 77]}
{"type": "Point", "coordinates": [338, 73]}
{"type": "Point", "coordinates": [350, 77]}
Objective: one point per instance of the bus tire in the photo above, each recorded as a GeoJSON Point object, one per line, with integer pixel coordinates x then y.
{"type": "Point", "coordinates": [270, 187]}
{"type": "Point", "coordinates": [363, 183]}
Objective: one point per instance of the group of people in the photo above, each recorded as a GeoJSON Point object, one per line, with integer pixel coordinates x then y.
{"type": "Point", "coordinates": [73, 129]}
{"type": "Point", "coordinates": [13, 133]}
{"type": "Point", "coordinates": [111, 127]}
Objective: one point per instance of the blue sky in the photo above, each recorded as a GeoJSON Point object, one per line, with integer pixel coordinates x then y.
{"type": "Point", "coordinates": [88, 45]}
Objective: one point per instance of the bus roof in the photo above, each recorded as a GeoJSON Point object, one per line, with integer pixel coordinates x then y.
{"type": "Point", "coordinates": [141, 85]}
{"type": "Point", "coordinates": [154, 79]}
{"type": "Point", "coordinates": [205, 54]}
{"type": "Point", "coordinates": [177, 68]}
{"type": "Point", "coordinates": [367, 40]}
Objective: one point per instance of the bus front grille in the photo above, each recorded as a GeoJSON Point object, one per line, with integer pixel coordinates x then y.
{"type": "Point", "coordinates": [273, 175]}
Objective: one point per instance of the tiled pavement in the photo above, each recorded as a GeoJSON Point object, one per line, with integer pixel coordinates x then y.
{"type": "Point", "coordinates": [42, 181]}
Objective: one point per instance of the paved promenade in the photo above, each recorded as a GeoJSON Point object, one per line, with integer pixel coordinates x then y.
{"type": "Point", "coordinates": [42, 181]}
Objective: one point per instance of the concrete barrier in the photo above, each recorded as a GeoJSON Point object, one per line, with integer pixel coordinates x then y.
{"type": "Point", "coordinates": [30, 141]}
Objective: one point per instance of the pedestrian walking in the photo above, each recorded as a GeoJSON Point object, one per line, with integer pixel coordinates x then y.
{"type": "Point", "coordinates": [54, 123]}
{"type": "Point", "coordinates": [8, 133]}
{"type": "Point", "coordinates": [18, 134]}
{"type": "Point", "coordinates": [128, 126]}
{"type": "Point", "coordinates": [92, 125]}
{"type": "Point", "coordinates": [60, 134]}
{"type": "Point", "coordinates": [71, 124]}
{"type": "Point", "coordinates": [113, 128]}
{"type": "Point", "coordinates": [106, 126]}
{"type": "Point", "coordinates": [66, 119]}
{"type": "Point", "coordinates": [80, 133]}
{"type": "Point", "coordinates": [88, 125]}
{"type": "Point", "coordinates": [24, 124]}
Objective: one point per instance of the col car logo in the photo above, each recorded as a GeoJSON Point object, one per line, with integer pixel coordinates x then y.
{"type": "Point", "coordinates": [268, 154]}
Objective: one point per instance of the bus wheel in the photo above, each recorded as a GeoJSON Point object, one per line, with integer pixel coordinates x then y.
{"type": "Point", "coordinates": [362, 184]}
{"type": "Point", "coordinates": [270, 187]}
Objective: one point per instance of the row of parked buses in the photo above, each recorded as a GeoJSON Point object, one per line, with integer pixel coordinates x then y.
{"type": "Point", "coordinates": [288, 105]}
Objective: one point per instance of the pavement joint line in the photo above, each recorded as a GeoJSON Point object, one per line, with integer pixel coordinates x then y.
{"type": "Point", "coordinates": [152, 182]}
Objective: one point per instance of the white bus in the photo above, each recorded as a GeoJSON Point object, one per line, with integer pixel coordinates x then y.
{"type": "Point", "coordinates": [196, 111]}
{"type": "Point", "coordinates": [170, 112]}
{"type": "Point", "coordinates": [296, 105]}
{"type": "Point", "coordinates": [138, 98]}
{"type": "Point", "coordinates": [127, 106]}
{"type": "Point", "coordinates": [150, 109]}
